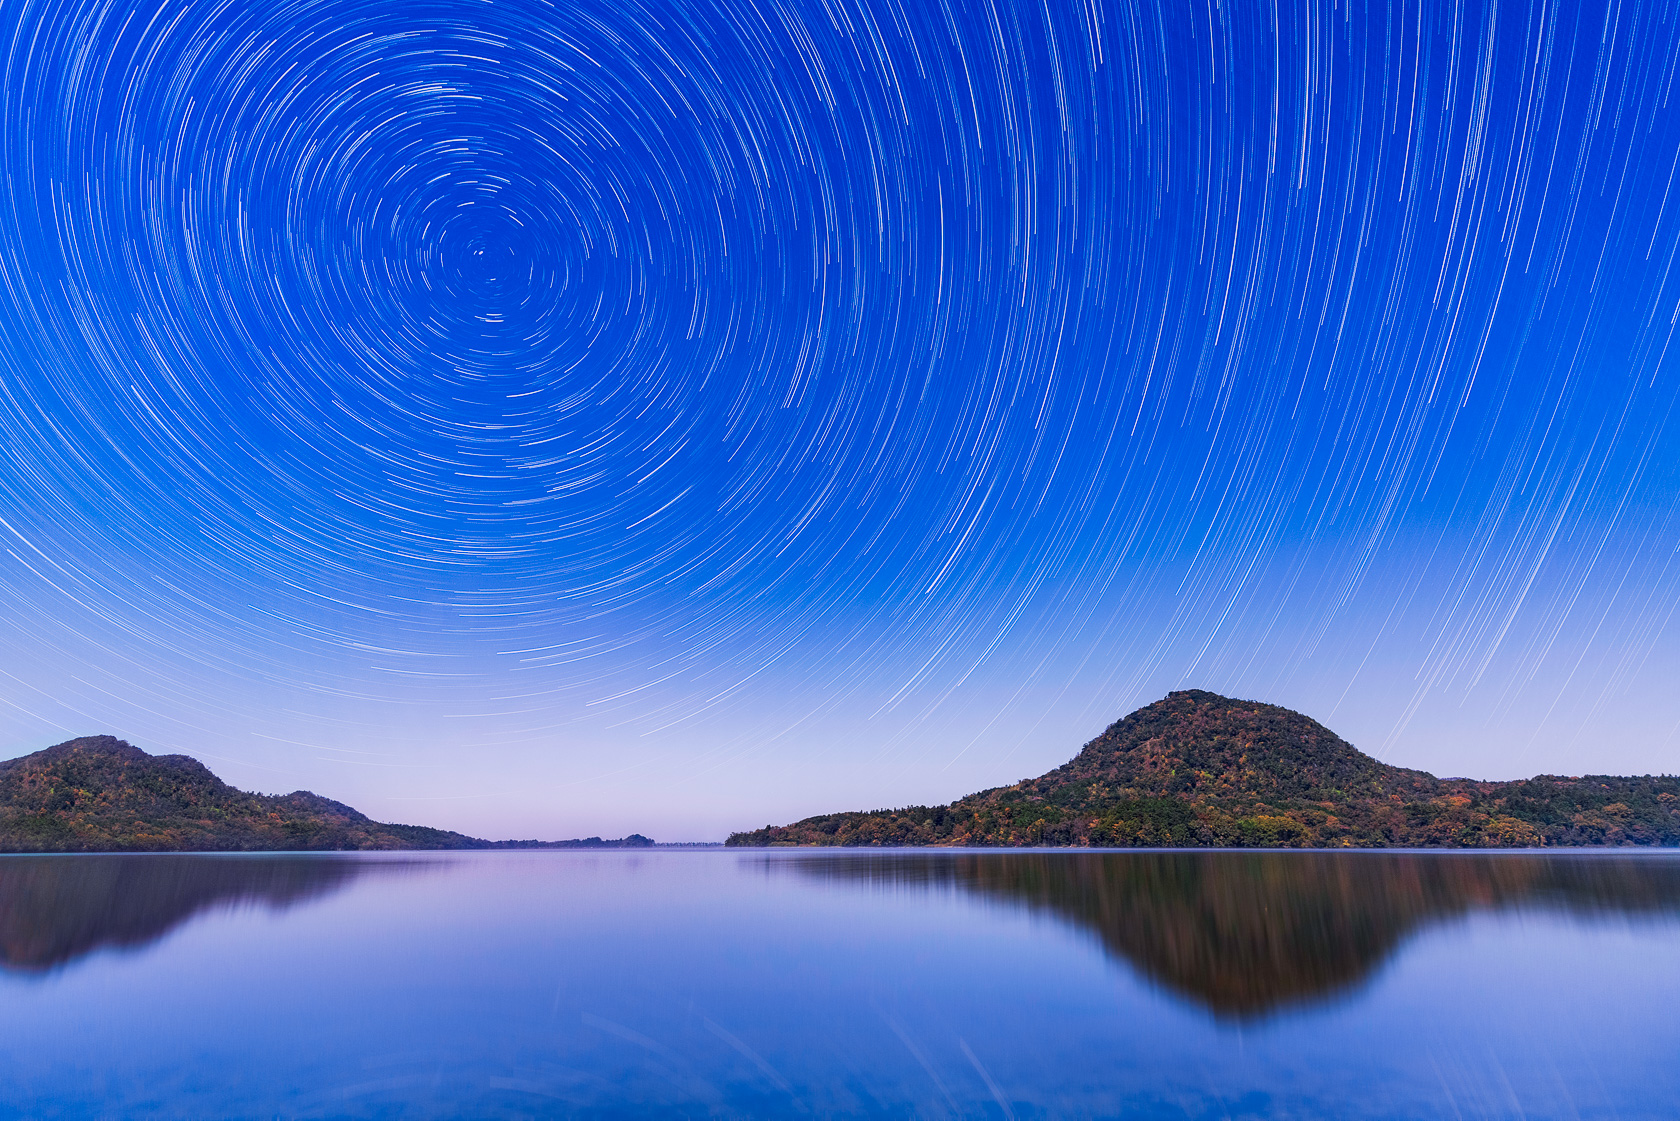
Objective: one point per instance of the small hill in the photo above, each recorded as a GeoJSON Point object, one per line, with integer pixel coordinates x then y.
{"type": "Point", "coordinates": [100, 794]}
{"type": "Point", "coordinates": [1198, 769]}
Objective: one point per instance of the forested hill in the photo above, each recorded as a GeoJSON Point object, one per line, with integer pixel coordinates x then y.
{"type": "Point", "coordinates": [100, 794]}
{"type": "Point", "coordinates": [1199, 769]}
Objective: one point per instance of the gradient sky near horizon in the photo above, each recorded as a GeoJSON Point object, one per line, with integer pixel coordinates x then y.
{"type": "Point", "coordinates": [553, 419]}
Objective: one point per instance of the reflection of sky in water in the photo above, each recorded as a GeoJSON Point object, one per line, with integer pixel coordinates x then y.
{"type": "Point", "coordinates": [726, 984]}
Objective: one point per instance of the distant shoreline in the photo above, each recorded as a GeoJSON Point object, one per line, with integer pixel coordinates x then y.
{"type": "Point", "coordinates": [859, 852]}
{"type": "Point", "coordinates": [1197, 850]}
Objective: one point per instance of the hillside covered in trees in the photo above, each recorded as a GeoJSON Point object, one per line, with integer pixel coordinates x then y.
{"type": "Point", "coordinates": [100, 794]}
{"type": "Point", "coordinates": [1199, 769]}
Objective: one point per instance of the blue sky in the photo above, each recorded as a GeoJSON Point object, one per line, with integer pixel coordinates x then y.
{"type": "Point", "coordinates": [545, 420]}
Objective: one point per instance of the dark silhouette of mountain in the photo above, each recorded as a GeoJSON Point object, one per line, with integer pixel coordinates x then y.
{"type": "Point", "coordinates": [1198, 769]}
{"type": "Point", "coordinates": [100, 794]}
{"type": "Point", "coordinates": [633, 841]}
{"type": "Point", "coordinates": [54, 909]}
{"type": "Point", "coordinates": [1248, 934]}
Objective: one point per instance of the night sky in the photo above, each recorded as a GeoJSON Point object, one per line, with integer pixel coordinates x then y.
{"type": "Point", "coordinates": [544, 420]}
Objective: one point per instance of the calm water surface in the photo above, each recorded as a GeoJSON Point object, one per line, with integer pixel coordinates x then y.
{"type": "Point", "coordinates": [904, 984]}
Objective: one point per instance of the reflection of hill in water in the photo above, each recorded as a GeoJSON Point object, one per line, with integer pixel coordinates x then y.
{"type": "Point", "coordinates": [54, 909]}
{"type": "Point", "coordinates": [1245, 934]}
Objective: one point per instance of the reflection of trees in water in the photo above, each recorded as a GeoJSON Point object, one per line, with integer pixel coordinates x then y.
{"type": "Point", "coordinates": [54, 909]}
{"type": "Point", "coordinates": [1245, 934]}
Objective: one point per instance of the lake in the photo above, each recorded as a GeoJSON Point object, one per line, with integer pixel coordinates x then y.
{"type": "Point", "coordinates": [893, 983]}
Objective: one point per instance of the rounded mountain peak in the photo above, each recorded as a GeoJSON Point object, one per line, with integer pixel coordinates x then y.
{"type": "Point", "coordinates": [1196, 741]}
{"type": "Point", "coordinates": [107, 756]}
{"type": "Point", "coordinates": [98, 745]}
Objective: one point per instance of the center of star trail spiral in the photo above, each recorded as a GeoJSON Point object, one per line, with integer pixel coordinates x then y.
{"type": "Point", "coordinates": [956, 369]}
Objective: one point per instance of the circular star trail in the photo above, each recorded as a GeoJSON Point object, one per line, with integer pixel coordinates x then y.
{"type": "Point", "coordinates": [874, 390]}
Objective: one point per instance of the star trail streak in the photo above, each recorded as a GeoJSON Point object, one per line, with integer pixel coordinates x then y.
{"type": "Point", "coordinates": [600, 416]}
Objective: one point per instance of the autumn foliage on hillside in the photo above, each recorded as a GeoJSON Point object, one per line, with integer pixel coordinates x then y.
{"type": "Point", "coordinates": [1198, 769]}
{"type": "Point", "coordinates": [100, 794]}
